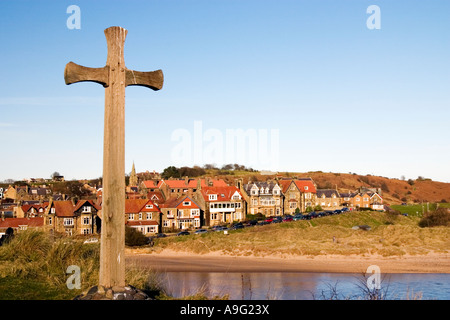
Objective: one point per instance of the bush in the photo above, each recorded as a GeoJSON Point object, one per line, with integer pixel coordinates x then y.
{"type": "Point", "coordinates": [440, 217]}
{"type": "Point", "coordinates": [134, 238]}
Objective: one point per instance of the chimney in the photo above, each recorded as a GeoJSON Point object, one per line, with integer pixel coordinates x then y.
{"type": "Point", "coordinates": [186, 180]}
{"type": "Point", "coordinates": [199, 184]}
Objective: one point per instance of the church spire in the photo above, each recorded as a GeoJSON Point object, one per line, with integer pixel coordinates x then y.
{"type": "Point", "coordinates": [133, 177]}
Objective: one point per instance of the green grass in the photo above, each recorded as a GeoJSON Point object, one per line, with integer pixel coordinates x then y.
{"type": "Point", "coordinates": [417, 210]}
{"type": "Point", "coordinates": [16, 288]}
{"type": "Point", "coordinates": [390, 235]}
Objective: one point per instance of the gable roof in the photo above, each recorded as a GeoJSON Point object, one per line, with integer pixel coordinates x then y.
{"type": "Point", "coordinates": [271, 185]}
{"type": "Point", "coordinates": [63, 208]}
{"type": "Point", "coordinates": [134, 205]}
{"type": "Point", "coordinates": [303, 185]}
{"type": "Point", "coordinates": [327, 192]}
{"type": "Point", "coordinates": [81, 203]}
{"type": "Point", "coordinates": [16, 222]}
{"type": "Point", "coordinates": [223, 193]}
{"type": "Point", "coordinates": [177, 202]}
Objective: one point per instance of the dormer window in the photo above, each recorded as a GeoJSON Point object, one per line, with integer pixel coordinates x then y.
{"type": "Point", "coordinates": [186, 203]}
{"type": "Point", "coordinates": [149, 206]}
{"type": "Point", "coordinates": [306, 187]}
{"type": "Point", "coordinates": [213, 197]}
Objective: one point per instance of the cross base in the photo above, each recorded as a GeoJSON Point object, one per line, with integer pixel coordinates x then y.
{"type": "Point", "coordinates": [114, 293]}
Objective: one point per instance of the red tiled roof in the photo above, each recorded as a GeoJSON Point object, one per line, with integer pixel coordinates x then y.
{"type": "Point", "coordinates": [177, 202]}
{"type": "Point", "coordinates": [154, 208]}
{"type": "Point", "coordinates": [305, 186]}
{"type": "Point", "coordinates": [16, 222]}
{"type": "Point", "coordinates": [83, 203]}
{"type": "Point", "coordinates": [134, 205]}
{"type": "Point", "coordinates": [301, 184]}
{"type": "Point", "coordinates": [64, 208]}
{"type": "Point", "coordinates": [227, 192]}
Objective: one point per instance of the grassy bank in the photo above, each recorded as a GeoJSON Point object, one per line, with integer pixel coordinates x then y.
{"type": "Point", "coordinates": [390, 235]}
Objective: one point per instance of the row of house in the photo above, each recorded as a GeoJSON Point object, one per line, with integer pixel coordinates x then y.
{"type": "Point", "coordinates": [164, 205]}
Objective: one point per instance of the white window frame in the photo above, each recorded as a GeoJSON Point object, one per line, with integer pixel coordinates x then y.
{"type": "Point", "coordinates": [212, 197]}
{"type": "Point", "coordinates": [68, 222]}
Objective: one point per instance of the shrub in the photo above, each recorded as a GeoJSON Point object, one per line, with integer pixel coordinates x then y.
{"type": "Point", "coordinates": [134, 237]}
{"type": "Point", "coordinates": [439, 217]}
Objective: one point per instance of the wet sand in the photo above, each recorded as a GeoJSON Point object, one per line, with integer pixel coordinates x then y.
{"type": "Point", "coordinates": [170, 261]}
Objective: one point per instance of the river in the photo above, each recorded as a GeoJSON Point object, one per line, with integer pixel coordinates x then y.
{"type": "Point", "coordinates": [304, 286]}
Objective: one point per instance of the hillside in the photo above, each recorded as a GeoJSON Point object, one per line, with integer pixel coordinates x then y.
{"type": "Point", "coordinates": [394, 191]}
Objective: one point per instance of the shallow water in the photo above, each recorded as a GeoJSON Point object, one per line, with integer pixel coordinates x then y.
{"type": "Point", "coordinates": [304, 286]}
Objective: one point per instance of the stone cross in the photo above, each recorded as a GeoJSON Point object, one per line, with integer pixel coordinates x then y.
{"type": "Point", "coordinates": [114, 76]}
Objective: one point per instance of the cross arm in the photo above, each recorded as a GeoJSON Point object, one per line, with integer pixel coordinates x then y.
{"type": "Point", "coordinates": [152, 79]}
{"type": "Point", "coordinates": [75, 73]}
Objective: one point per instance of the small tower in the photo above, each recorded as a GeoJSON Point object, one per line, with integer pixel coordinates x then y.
{"type": "Point", "coordinates": [133, 178]}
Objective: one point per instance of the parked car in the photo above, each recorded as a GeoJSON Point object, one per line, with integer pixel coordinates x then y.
{"type": "Point", "coordinates": [252, 223]}
{"type": "Point", "coordinates": [220, 228]}
{"type": "Point", "coordinates": [236, 226]}
{"type": "Point", "coordinates": [199, 231]}
{"type": "Point", "coordinates": [298, 216]}
{"type": "Point", "coordinates": [183, 233]}
{"type": "Point", "coordinates": [160, 235]}
{"type": "Point", "coordinates": [269, 220]}
{"type": "Point", "coordinates": [277, 220]}
{"type": "Point", "coordinates": [288, 218]}
{"type": "Point", "coordinates": [337, 211]}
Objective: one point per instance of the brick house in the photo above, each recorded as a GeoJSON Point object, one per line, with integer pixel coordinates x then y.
{"type": "Point", "coordinates": [181, 212]}
{"type": "Point", "coordinates": [264, 198]}
{"type": "Point", "coordinates": [224, 204]}
{"type": "Point", "coordinates": [72, 219]}
{"type": "Point", "coordinates": [328, 199]}
{"type": "Point", "coordinates": [143, 215]}
{"type": "Point", "coordinates": [298, 194]}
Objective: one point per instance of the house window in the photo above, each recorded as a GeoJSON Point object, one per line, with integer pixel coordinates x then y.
{"type": "Point", "coordinates": [236, 197]}
{"type": "Point", "coordinates": [357, 199]}
{"type": "Point", "coordinates": [186, 203]}
{"type": "Point", "coordinates": [130, 216]}
{"type": "Point", "coordinates": [86, 220]}
{"type": "Point", "coordinates": [238, 205]}
{"type": "Point", "coordinates": [86, 209]}
{"type": "Point", "coordinates": [68, 222]}
{"type": "Point", "coordinates": [140, 215]}
{"type": "Point", "coordinates": [366, 199]}
{"type": "Point", "coordinates": [306, 187]}
{"type": "Point", "coordinates": [149, 216]}
{"type": "Point", "coordinates": [293, 205]}
{"type": "Point", "coordinates": [149, 206]}
{"type": "Point", "coordinates": [50, 220]}
{"type": "Point", "coordinates": [213, 197]}
{"type": "Point", "coordinates": [86, 231]}
{"type": "Point", "coordinates": [52, 210]}
{"type": "Point", "coordinates": [275, 192]}
{"type": "Point", "coordinates": [213, 216]}
{"type": "Point", "coordinates": [166, 223]}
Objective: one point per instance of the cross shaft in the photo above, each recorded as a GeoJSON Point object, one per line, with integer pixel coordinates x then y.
{"type": "Point", "coordinates": [114, 76]}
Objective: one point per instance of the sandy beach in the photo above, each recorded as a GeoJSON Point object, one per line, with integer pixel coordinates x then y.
{"type": "Point", "coordinates": [170, 261]}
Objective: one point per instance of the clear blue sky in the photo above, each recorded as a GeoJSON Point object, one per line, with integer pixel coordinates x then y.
{"type": "Point", "coordinates": [343, 98]}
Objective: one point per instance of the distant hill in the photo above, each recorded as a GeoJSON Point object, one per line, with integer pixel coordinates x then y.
{"type": "Point", "coordinates": [394, 191]}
